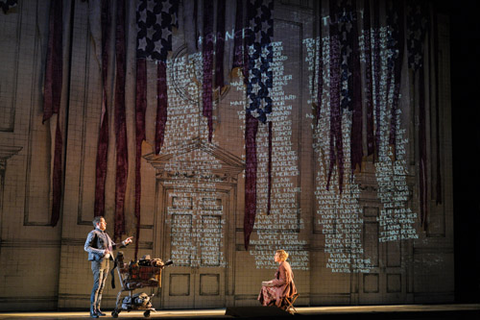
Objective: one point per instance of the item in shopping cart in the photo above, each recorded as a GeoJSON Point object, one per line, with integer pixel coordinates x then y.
{"type": "Point", "coordinates": [141, 299]}
{"type": "Point", "coordinates": [137, 300]}
{"type": "Point", "coordinates": [126, 303]}
{"type": "Point", "coordinates": [132, 285]}
{"type": "Point", "coordinates": [145, 261]}
{"type": "Point", "coordinates": [134, 270]}
{"type": "Point", "coordinates": [157, 262]}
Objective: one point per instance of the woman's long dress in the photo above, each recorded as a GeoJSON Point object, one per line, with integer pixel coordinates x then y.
{"type": "Point", "coordinates": [279, 288]}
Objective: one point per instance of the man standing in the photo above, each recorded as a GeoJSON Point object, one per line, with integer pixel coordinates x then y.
{"type": "Point", "coordinates": [100, 248]}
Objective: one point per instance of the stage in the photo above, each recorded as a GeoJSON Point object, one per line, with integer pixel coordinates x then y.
{"type": "Point", "coordinates": [442, 311]}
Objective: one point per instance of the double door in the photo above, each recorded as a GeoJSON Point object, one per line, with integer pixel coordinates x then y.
{"type": "Point", "coordinates": [195, 239]}
{"type": "Point", "coordinates": [386, 283]}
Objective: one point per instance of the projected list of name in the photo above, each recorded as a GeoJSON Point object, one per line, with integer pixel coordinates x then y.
{"type": "Point", "coordinates": [196, 213]}
{"type": "Point", "coordinates": [340, 213]}
{"type": "Point", "coordinates": [280, 228]}
{"type": "Point", "coordinates": [396, 219]}
{"type": "Point", "coordinates": [337, 210]}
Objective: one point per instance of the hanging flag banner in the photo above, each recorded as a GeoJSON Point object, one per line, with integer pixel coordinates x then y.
{"type": "Point", "coordinates": [259, 82]}
{"type": "Point", "coordinates": [52, 95]}
{"type": "Point", "coordinates": [155, 21]}
{"type": "Point", "coordinates": [104, 11]}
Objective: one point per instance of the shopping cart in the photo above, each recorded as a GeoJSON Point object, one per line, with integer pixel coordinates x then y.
{"type": "Point", "coordinates": [144, 273]}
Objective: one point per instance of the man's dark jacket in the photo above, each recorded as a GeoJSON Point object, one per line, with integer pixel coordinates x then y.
{"type": "Point", "coordinates": [96, 244]}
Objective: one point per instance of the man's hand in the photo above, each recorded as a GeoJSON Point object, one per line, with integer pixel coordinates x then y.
{"type": "Point", "coordinates": [129, 240]}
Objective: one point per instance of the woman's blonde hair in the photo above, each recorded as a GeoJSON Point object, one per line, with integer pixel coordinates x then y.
{"type": "Point", "coordinates": [282, 254]}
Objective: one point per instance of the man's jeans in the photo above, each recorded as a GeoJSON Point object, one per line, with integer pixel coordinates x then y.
{"type": "Point", "coordinates": [100, 273]}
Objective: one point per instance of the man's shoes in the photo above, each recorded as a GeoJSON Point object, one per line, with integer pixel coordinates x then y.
{"type": "Point", "coordinates": [100, 313]}
{"type": "Point", "coordinates": [93, 313]}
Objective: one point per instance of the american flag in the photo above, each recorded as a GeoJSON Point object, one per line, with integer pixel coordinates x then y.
{"type": "Point", "coordinates": [259, 82]}
{"type": "Point", "coordinates": [155, 21]}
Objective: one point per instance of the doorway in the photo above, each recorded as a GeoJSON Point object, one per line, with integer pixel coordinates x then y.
{"type": "Point", "coordinates": [195, 239]}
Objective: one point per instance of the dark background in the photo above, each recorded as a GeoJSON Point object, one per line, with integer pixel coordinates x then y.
{"type": "Point", "coordinates": [465, 73]}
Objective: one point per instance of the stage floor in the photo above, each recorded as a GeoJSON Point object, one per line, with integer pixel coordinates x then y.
{"type": "Point", "coordinates": [433, 312]}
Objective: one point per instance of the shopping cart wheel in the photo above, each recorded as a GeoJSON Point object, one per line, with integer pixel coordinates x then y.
{"type": "Point", "coordinates": [114, 314]}
{"type": "Point", "coordinates": [146, 314]}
